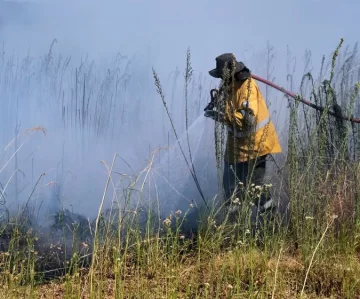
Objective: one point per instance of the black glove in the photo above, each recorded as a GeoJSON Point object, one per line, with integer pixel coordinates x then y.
{"type": "Point", "coordinates": [215, 115]}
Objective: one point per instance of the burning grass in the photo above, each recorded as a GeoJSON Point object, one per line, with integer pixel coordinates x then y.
{"type": "Point", "coordinates": [239, 273]}
{"type": "Point", "coordinates": [319, 259]}
{"type": "Point", "coordinates": [130, 251]}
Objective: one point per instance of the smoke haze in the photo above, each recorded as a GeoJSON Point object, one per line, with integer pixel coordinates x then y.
{"type": "Point", "coordinates": [94, 92]}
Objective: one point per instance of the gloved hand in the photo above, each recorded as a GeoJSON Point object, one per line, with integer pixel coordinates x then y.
{"type": "Point", "coordinates": [215, 115]}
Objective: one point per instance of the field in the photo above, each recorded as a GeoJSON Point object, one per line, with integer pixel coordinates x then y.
{"type": "Point", "coordinates": [104, 197]}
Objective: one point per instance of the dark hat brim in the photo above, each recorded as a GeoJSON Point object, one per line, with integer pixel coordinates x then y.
{"type": "Point", "coordinates": [214, 73]}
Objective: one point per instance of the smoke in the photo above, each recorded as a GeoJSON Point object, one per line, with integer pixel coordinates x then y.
{"type": "Point", "coordinates": [82, 70]}
{"type": "Point", "coordinates": [89, 114]}
{"type": "Point", "coordinates": [66, 67]}
{"type": "Point", "coordinates": [92, 100]}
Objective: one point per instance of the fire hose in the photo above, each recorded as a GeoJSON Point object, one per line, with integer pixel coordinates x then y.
{"type": "Point", "coordinates": [214, 93]}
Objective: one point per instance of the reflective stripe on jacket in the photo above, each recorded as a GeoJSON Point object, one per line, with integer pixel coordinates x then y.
{"type": "Point", "coordinates": [251, 133]}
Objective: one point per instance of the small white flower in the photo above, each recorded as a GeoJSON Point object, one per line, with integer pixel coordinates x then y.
{"type": "Point", "coordinates": [236, 201]}
{"type": "Point", "coordinates": [167, 222]}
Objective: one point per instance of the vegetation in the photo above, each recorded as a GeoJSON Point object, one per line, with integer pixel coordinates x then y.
{"type": "Point", "coordinates": [128, 251]}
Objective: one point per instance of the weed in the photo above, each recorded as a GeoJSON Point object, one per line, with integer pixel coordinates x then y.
{"type": "Point", "coordinates": [129, 250]}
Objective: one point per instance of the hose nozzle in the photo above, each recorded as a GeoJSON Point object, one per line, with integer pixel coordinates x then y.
{"type": "Point", "coordinates": [214, 93]}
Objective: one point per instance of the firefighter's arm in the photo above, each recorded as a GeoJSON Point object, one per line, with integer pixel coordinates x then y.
{"type": "Point", "coordinates": [243, 108]}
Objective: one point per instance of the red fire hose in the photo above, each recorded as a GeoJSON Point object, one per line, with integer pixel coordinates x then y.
{"type": "Point", "coordinates": [306, 102]}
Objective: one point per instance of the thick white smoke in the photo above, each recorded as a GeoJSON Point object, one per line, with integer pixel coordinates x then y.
{"type": "Point", "coordinates": [93, 91]}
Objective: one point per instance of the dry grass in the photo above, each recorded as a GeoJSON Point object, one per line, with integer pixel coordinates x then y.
{"type": "Point", "coordinates": [127, 253]}
{"type": "Point", "coordinates": [233, 274]}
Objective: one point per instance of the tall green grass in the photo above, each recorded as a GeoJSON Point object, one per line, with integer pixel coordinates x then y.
{"type": "Point", "coordinates": [128, 252]}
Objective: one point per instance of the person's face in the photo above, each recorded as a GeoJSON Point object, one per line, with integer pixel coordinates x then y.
{"type": "Point", "coordinates": [227, 80]}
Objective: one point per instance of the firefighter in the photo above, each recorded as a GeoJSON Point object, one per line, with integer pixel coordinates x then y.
{"type": "Point", "coordinates": [251, 135]}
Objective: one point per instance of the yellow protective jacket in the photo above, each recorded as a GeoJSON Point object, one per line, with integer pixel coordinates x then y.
{"type": "Point", "coordinates": [251, 133]}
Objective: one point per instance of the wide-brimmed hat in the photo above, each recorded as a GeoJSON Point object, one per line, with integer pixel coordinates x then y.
{"type": "Point", "coordinates": [223, 60]}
